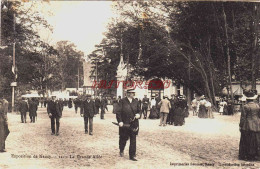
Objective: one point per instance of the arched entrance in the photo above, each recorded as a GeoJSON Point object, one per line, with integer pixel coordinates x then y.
{"type": "Point", "coordinates": [155, 87]}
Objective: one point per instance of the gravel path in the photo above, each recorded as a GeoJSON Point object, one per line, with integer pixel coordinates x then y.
{"type": "Point", "coordinates": [200, 143]}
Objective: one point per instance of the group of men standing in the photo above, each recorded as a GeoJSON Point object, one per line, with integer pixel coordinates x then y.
{"type": "Point", "coordinates": [102, 105]}
{"type": "Point", "coordinates": [173, 111]}
{"type": "Point", "coordinates": [88, 109]}
{"type": "Point", "coordinates": [31, 106]}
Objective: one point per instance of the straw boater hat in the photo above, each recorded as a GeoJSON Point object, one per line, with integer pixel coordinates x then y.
{"type": "Point", "coordinates": [250, 95]}
{"type": "Point", "coordinates": [130, 90]}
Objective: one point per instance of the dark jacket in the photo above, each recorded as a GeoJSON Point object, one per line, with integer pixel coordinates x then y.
{"type": "Point", "coordinates": [157, 99]}
{"type": "Point", "coordinates": [54, 108]}
{"type": "Point", "coordinates": [145, 102]}
{"type": "Point", "coordinates": [97, 102]}
{"type": "Point", "coordinates": [88, 108]}
{"type": "Point", "coordinates": [103, 104]}
{"type": "Point", "coordinates": [61, 103]}
{"type": "Point", "coordinates": [33, 106]}
{"type": "Point", "coordinates": [23, 107]}
{"type": "Point", "coordinates": [77, 102]}
{"type": "Point", "coordinates": [126, 112]}
{"type": "Point", "coordinates": [250, 120]}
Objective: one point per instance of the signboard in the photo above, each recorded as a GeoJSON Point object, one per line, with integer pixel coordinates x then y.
{"type": "Point", "coordinates": [14, 84]}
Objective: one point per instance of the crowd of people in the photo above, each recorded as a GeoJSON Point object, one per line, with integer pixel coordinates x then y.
{"type": "Point", "coordinates": [171, 111]}
{"type": "Point", "coordinates": [202, 107]}
{"type": "Point", "coordinates": [55, 108]}
{"type": "Point", "coordinates": [128, 110]}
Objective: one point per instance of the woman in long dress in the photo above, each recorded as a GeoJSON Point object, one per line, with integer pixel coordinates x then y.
{"type": "Point", "coordinates": [209, 109]}
{"type": "Point", "coordinates": [180, 112]}
{"type": "Point", "coordinates": [249, 146]}
{"type": "Point", "coordinates": [222, 104]}
{"type": "Point", "coordinates": [203, 112]}
{"type": "Point", "coordinates": [153, 111]}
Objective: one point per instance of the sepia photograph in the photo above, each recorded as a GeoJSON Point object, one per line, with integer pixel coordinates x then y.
{"type": "Point", "coordinates": [123, 84]}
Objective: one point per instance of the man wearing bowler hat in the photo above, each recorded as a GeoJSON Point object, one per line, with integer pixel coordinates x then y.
{"type": "Point", "coordinates": [127, 115]}
{"type": "Point", "coordinates": [88, 111]}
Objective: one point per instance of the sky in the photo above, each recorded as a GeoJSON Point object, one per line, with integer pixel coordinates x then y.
{"type": "Point", "coordinates": [81, 22]}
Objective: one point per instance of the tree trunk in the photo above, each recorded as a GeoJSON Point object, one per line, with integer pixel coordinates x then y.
{"type": "Point", "coordinates": [255, 60]}
{"type": "Point", "coordinates": [228, 55]}
{"type": "Point", "coordinates": [211, 69]}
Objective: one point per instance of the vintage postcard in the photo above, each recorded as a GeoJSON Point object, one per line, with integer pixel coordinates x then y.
{"type": "Point", "coordinates": [129, 84]}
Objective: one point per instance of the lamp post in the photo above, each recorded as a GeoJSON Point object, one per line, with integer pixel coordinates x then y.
{"type": "Point", "coordinates": [14, 84]}
{"type": "Point", "coordinates": [96, 78]}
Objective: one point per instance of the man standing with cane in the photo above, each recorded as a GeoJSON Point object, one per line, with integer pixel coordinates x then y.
{"type": "Point", "coordinates": [128, 113]}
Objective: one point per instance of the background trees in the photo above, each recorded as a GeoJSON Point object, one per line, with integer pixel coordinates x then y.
{"type": "Point", "coordinates": [201, 45]}
{"type": "Point", "coordinates": [40, 65]}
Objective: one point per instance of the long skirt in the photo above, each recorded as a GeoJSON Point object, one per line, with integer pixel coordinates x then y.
{"type": "Point", "coordinates": [249, 146]}
{"type": "Point", "coordinates": [210, 113]}
{"type": "Point", "coordinates": [4, 131]}
{"type": "Point", "coordinates": [153, 113]}
{"type": "Point", "coordinates": [203, 112]}
{"type": "Point", "coordinates": [178, 118]}
{"type": "Point", "coordinates": [230, 110]}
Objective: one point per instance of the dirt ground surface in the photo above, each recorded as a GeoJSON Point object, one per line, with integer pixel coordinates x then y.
{"type": "Point", "coordinates": [200, 143]}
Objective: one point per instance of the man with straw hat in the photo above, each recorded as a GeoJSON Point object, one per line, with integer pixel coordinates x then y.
{"type": "Point", "coordinates": [128, 113]}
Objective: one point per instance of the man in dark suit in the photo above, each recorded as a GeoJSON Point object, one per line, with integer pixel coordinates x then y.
{"type": "Point", "coordinates": [61, 102]}
{"type": "Point", "coordinates": [76, 104]}
{"type": "Point", "coordinates": [55, 113]}
{"type": "Point", "coordinates": [158, 99]}
{"type": "Point", "coordinates": [33, 109]}
{"type": "Point", "coordinates": [23, 109]}
{"type": "Point", "coordinates": [88, 111]}
{"type": "Point", "coordinates": [103, 106]}
{"type": "Point", "coordinates": [128, 113]}
{"type": "Point", "coordinates": [97, 105]}
{"type": "Point", "coordinates": [145, 103]}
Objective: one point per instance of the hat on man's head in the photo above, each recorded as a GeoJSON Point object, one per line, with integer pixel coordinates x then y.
{"type": "Point", "coordinates": [130, 90]}
{"type": "Point", "coordinates": [250, 94]}
{"type": "Point", "coordinates": [88, 95]}
{"type": "Point", "coordinates": [180, 97]}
